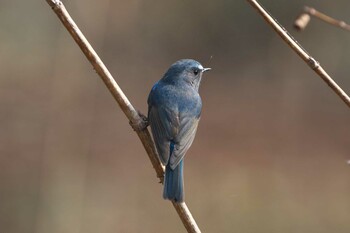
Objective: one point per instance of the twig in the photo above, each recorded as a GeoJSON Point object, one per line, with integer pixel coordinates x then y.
{"type": "Point", "coordinates": [130, 112]}
{"type": "Point", "coordinates": [304, 18]}
{"type": "Point", "coordinates": [315, 65]}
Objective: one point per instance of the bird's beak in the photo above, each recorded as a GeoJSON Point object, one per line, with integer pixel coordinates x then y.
{"type": "Point", "coordinates": [206, 69]}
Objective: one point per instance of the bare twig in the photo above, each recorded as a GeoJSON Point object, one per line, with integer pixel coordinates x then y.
{"type": "Point", "coordinates": [315, 65]}
{"type": "Point", "coordinates": [135, 119]}
{"type": "Point", "coordinates": [304, 18]}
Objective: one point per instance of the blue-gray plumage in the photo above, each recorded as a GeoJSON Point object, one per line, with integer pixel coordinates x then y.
{"type": "Point", "coordinates": [174, 109]}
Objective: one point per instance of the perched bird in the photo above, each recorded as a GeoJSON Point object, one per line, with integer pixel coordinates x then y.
{"type": "Point", "coordinates": [174, 109]}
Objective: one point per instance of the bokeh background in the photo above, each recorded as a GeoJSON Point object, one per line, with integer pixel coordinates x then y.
{"type": "Point", "coordinates": [273, 143]}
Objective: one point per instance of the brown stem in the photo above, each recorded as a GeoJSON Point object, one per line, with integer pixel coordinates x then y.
{"type": "Point", "coordinates": [135, 119]}
{"type": "Point", "coordinates": [315, 65]}
{"type": "Point", "coordinates": [304, 18]}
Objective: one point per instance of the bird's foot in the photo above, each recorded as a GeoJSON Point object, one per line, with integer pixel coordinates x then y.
{"type": "Point", "coordinates": [140, 125]}
{"type": "Point", "coordinates": [161, 179]}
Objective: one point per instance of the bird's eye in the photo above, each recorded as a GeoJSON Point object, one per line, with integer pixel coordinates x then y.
{"type": "Point", "coordinates": [195, 71]}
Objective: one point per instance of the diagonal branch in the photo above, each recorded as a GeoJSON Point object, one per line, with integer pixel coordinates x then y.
{"type": "Point", "coordinates": [304, 18]}
{"type": "Point", "coordinates": [315, 65]}
{"type": "Point", "coordinates": [135, 119]}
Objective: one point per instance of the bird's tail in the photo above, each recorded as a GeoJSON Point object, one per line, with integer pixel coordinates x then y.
{"type": "Point", "coordinates": [174, 183]}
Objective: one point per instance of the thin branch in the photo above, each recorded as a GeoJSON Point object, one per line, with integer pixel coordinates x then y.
{"type": "Point", "coordinates": [304, 18]}
{"type": "Point", "coordinates": [315, 65]}
{"type": "Point", "coordinates": [135, 119]}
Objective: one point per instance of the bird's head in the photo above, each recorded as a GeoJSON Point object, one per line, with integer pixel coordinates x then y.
{"type": "Point", "coordinates": [187, 71]}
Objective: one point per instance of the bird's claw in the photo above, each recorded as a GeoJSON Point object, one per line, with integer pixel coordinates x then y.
{"type": "Point", "coordinates": [140, 125]}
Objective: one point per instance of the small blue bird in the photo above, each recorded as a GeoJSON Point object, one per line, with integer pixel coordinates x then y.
{"type": "Point", "coordinates": [174, 109]}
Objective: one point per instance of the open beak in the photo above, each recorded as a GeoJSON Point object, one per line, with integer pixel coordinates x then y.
{"type": "Point", "coordinates": [206, 69]}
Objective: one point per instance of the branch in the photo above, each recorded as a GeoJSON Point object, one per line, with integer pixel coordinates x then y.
{"type": "Point", "coordinates": [135, 119]}
{"type": "Point", "coordinates": [304, 18]}
{"type": "Point", "coordinates": [313, 64]}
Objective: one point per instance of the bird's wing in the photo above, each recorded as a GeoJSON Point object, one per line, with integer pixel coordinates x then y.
{"type": "Point", "coordinates": [164, 125]}
{"type": "Point", "coordinates": [184, 138]}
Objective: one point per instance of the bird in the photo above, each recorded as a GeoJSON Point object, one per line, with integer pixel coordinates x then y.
{"type": "Point", "coordinates": [174, 110]}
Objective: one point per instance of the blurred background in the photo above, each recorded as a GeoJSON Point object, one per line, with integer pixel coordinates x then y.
{"type": "Point", "coordinates": [273, 143]}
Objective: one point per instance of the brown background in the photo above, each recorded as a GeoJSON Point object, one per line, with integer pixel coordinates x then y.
{"type": "Point", "coordinates": [273, 143]}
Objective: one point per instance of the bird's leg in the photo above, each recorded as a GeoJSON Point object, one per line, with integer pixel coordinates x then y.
{"type": "Point", "coordinates": [140, 125]}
